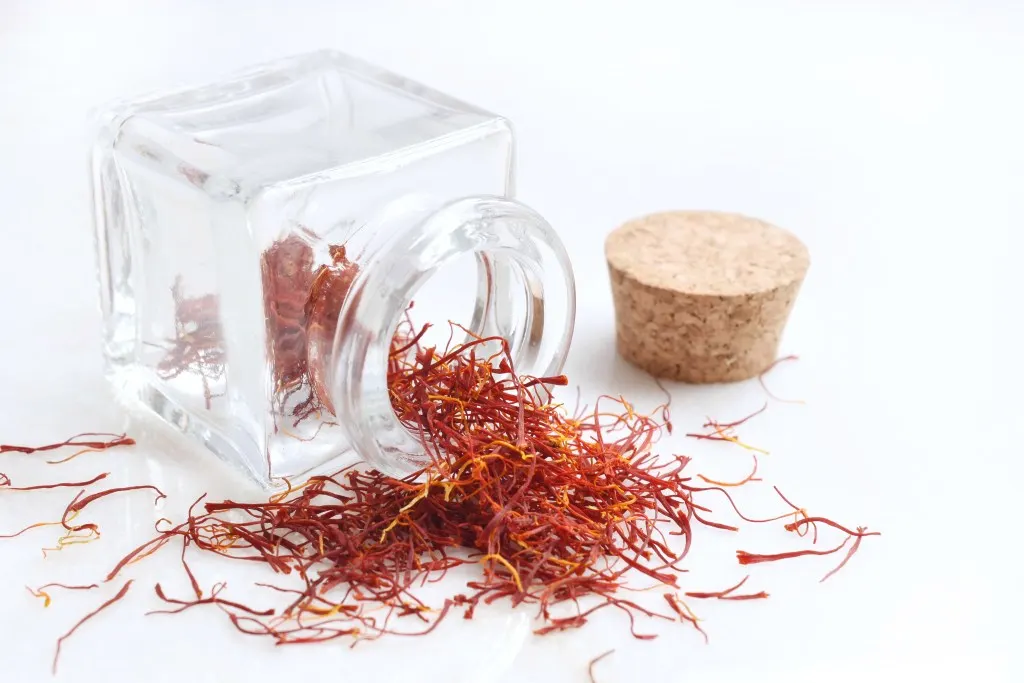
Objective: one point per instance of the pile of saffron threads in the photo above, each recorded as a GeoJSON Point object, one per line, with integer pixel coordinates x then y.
{"type": "Point", "coordinates": [558, 511]}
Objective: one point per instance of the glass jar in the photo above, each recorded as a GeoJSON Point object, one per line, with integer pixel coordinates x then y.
{"type": "Point", "coordinates": [260, 239]}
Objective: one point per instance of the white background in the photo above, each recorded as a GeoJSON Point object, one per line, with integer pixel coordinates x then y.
{"type": "Point", "coordinates": [887, 135]}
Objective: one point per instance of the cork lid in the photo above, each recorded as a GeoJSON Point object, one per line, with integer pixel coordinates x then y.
{"type": "Point", "coordinates": [706, 253]}
{"type": "Point", "coordinates": [702, 296]}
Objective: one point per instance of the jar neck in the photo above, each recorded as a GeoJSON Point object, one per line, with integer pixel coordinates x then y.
{"type": "Point", "coordinates": [525, 294]}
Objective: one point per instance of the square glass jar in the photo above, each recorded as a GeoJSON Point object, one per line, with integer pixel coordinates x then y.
{"type": "Point", "coordinates": [221, 211]}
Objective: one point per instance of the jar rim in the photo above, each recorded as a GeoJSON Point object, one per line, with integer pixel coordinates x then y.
{"type": "Point", "coordinates": [526, 294]}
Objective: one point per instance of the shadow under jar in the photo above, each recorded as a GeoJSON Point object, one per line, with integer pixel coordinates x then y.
{"type": "Point", "coordinates": [260, 240]}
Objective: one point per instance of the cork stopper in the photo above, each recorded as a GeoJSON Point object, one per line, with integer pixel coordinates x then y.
{"type": "Point", "coordinates": [702, 296]}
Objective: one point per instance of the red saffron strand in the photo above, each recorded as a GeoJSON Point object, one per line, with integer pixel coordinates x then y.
{"type": "Point", "coordinates": [684, 614]}
{"type": "Point", "coordinates": [787, 501]}
{"type": "Point", "coordinates": [113, 441]}
{"type": "Point", "coordinates": [41, 591]}
{"type": "Point", "coordinates": [849, 554]}
{"type": "Point", "coordinates": [861, 531]}
{"type": "Point", "coordinates": [140, 553]}
{"type": "Point", "coordinates": [799, 511]}
{"type": "Point", "coordinates": [666, 415]}
{"type": "Point", "coordinates": [595, 660]}
{"type": "Point", "coordinates": [737, 423]}
{"type": "Point", "coordinates": [752, 558]}
{"type": "Point", "coordinates": [719, 594]}
{"type": "Point", "coordinates": [68, 587]}
{"type": "Point", "coordinates": [60, 641]}
{"type": "Point", "coordinates": [748, 596]}
{"type": "Point", "coordinates": [709, 437]}
{"type": "Point", "coordinates": [65, 484]}
{"type": "Point", "coordinates": [79, 504]}
{"type": "Point", "coordinates": [212, 600]}
{"type": "Point", "coordinates": [188, 570]}
{"type": "Point", "coordinates": [737, 510]}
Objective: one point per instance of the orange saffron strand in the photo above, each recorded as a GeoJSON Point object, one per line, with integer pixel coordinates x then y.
{"type": "Point", "coordinates": [749, 478]}
{"type": "Point", "coordinates": [37, 525]}
{"type": "Point", "coordinates": [40, 593]}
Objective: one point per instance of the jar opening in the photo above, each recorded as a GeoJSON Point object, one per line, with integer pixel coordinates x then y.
{"type": "Point", "coordinates": [524, 293]}
{"type": "Point", "coordinates": [449, 295]}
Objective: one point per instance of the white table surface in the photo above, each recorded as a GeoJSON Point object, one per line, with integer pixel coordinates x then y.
{"type": "Point", "coordinates": [887, 135]}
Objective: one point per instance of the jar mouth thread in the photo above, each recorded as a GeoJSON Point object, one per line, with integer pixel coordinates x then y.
{"type": "Point", "coordinates": [525, 295]}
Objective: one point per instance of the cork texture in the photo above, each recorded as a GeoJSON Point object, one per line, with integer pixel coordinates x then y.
{"type": "Point", "coordinates": [703, 296]}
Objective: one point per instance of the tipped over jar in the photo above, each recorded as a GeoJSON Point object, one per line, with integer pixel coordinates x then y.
{"type": "Point", "coordinates": [260, 240]}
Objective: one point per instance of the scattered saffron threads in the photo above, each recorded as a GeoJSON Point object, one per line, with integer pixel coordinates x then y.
{"type": "Point", "coordinates": [724, 431]}
{"type": "Point", "coordinates": [65, 484]}
{"type": "Point", "coordinates": [48, 599]}
{"type": "Point", "coordinates": [595, 660]}
{"type": "Point", "coordinates": [666, 417]}
{"type": "Point", "coordinates": [142, 552]}
{"type": "Point", "coordinates": [849, 553]}
{"type": "Point", "coordinates": [752, 558]}
{"type": "Point", "coordinates": [760, 378]}
{"type": "Point", "coordinates": [798, 514]}
{"type": "Point", "coordinates": [69, 587]}
{"type": "Point", "coordinates": [685, 613]}
{"type": "Point", "coordinates": [861, 531]}
{"type": "Point", "coordinates": [40, 593]}
{"type": "Point", "coordinates": [747, 596]}
{"type": "Point", "coordinates": [72, 538]}
{"type": "Point", "coordinates": [60, 641]}
{"type": "Point", "coordinates": [212, 600]}
{"type": "Point", "coordinates": [111, 441]}
{"type": "Point", "coordinates": [37, 525]}
{"type": "Point", "coordinates": [741, 515]}
{"type": "Point", "coordinates": [188, 570]}
{"type": "Point", "coordinates": [857, 535]}
{"type": "Point", "coordinates": [79, 503]}
{"type": "Point", "coordinates": [83, 533]}
{"type": "Point", "coordinates": [735, 423]}
{"type": "Point", "coordinates": [749, 478]}
{"type": "Point", "coordinates": [728, 593]}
